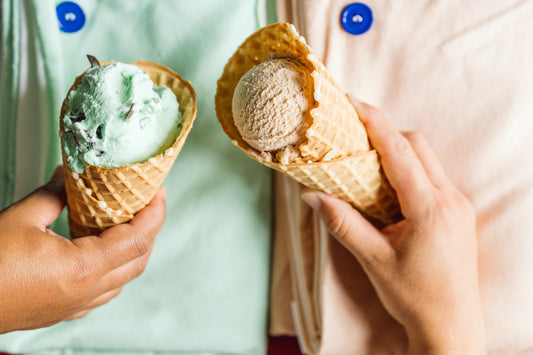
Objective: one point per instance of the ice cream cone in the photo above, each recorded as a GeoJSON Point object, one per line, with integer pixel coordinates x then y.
{"type": "Point", "coordinates": [100, 198]}
{"type": "Point", "coordinates": [335, 156]}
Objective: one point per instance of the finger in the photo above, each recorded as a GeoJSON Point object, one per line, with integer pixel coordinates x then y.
{"type": "Point", "coordinates": [59, 173]}
{"type": "Point", "coordinates": [44, 205]}
{"type": "Point", "coordinates": [125, 242]}
{"type": "Point", "coordinates": [118, 277]}
{"type": "Point", "coordinates": [96, 302]}
{"type": "Point", "coordinates": [151, 218]}
{"type": "Point", "coordinates": [51, 232]}
{"type": "Point", "coordinates": [349, 227]}
{"type": "Point", "coordinates": [78, 315]}
{"type": "Point", "coordinates": [428, 158]}
{"type": "Point", "coordinates": [400, 162]}
{"type": "Point", "coordinates": [104, 298]}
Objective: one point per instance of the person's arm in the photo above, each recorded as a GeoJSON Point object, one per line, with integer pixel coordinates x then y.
{"type": "Point", "coordinates": [423, 268]}
{"type": "Point", "coordinates": [45, 278]}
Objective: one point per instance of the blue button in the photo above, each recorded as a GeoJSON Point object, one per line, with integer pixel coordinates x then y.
{"type": "Point", "coordinates": [71, 17]}
{"type": "Point", "coordinates": [356, 18]}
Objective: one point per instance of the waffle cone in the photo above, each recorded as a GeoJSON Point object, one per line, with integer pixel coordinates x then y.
{"type": "Point", "coordinates": [100, 198]}
{"type": "Point", "coordinates": [335, 155]}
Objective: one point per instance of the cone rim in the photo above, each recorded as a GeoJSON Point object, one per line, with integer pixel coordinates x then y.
{"type": "Point", "coordinates": [278, 28]}
{"type": "Point", "coordinates": [183, 132]}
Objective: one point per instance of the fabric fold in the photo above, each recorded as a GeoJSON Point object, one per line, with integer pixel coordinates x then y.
{"type": "Point", "coordinates": [205, 288]}
{"type": "Point", "coordinates": [473, 104]}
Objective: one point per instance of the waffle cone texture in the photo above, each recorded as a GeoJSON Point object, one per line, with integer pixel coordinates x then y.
{"type": "Point", "coordinates": [335, 154]}
{"type": "Point", "coordinates": [100, 198]}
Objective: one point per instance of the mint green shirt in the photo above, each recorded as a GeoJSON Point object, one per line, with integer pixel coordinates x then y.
{"type": "Point", "coordinates": [205, 289]}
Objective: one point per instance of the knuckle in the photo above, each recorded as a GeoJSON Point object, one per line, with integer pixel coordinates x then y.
{"type": "Point", "coordinates": [372, 261]}
{"type": "Point", "coordinates": [401, 145]}
{"type": "Point", "coordinates": [414, 137]}
{"type": "Point", "coordinates": [337, 225]}
{"type": "Point", "coordinates": [396, 146]}
{"type": "Point", "coordinates": [141, 242]}
{"type": "Point", "coordinates": [379, 261]}
{"type": "Point", "coordinates": [82, 275]}
{"type": "Point", "coordinates": [445, 209]}
{"type": "Point", "coordinates": [454, 205]}
{"type": "Point", "coordinates": [76, 283]}
{"type": "Point", "coordinates": [141, 266]}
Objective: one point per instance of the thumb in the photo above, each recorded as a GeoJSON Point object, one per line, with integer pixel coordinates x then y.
{"type": "Point", "coordinates": [348, 226]}
{"type": "Point", "coordinates": [125, 242]}
{"type": "Point", "coordinates": [45, 204]}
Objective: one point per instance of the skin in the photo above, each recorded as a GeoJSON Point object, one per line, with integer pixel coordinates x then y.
{"type": "Point", "coordinates": [47, 279]}
{"type": "Point", "coordinates": [424, 268]}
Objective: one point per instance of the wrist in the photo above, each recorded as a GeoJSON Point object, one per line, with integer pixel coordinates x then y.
{"type": "Point", "coordinates": [462, 337]}
{"type": "Point", "coordinates": [423, 347]}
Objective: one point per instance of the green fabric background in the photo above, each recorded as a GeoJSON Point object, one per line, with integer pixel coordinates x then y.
{"type": "Point", "coordinates": [9, 87]}
{"type": "Point", "coordinates": [205, 289]}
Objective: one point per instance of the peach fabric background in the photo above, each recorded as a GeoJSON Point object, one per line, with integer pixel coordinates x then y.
{"type": "Point", "coordinates": [461, 73]}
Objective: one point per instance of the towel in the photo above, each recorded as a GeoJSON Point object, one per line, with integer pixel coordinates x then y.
{"type": "Point", "coordinates": [460, 73]}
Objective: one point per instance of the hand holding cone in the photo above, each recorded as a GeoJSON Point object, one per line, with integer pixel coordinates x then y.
{"type": "Point", "coordinates": [100, 198]}
{"type": "Point", "coordinates": [333, 154]}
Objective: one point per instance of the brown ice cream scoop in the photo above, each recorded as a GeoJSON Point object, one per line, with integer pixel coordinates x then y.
{"type": "Point", "coordinates": [278, 103]}
{"type": "Point", "coordinates": [269, 105]}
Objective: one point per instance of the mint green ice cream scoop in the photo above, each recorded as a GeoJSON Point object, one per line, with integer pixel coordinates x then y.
{"type": "Point", "coordinates": [118, 117]}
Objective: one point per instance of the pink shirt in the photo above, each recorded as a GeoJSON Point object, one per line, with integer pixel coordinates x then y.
{"type": "Point", "coordinates": [460, 72]}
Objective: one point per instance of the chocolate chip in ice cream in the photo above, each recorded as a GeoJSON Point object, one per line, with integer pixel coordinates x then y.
{"type": "Point", "coordinates": [129, 112]}
{"type": "Point", "coordinates": [79, 116]}
{"type": "Point", "coordinates": [94, 62]}
{"type": "Point", "coordinates": [270, 102]}
{"type": "Point", "coordinates": [144, 121]}
{"type": "Point", "coordinates": [100, 132]}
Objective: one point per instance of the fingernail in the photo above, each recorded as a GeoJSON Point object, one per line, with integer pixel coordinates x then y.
{"type": "Point", "coordinates": [353, 99]}
{"type": "Point", "coordinates": [163, 192]}
{"type": "Point", "coordinates": [313, 199]}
